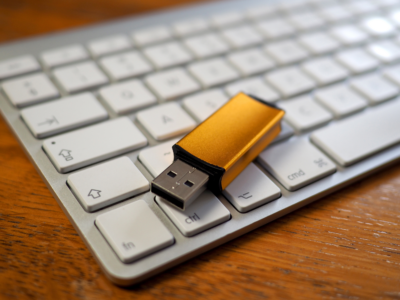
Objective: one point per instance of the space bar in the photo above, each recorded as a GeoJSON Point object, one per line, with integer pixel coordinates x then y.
{"type": "Point", "coordinates": [363, 135]}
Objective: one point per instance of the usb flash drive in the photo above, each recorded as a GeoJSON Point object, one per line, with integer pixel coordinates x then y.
{"type": "Point", "coordinates": [217, 150]}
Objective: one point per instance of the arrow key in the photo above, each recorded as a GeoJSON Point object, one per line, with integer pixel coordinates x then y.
{"type": "Point", "coordinates": [107, 183]}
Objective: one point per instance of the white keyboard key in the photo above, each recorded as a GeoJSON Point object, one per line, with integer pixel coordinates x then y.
{"type": "Point", "coordinates": [167, 55]}
{"type": "Point", "coordinates": [294, 5]}
{"type": "Point", "coordinates": [357, 60]}
{"type": "Point", "coordinates": [290, 81]}
{"type": "Point", "coordinates": [259, 12]}
{"type": "Point", "coordinates": [213, 72]}
{"type": "Point", "coordinates": [107, 183]}
{"type": "Point", "coordinates": [378, 26]}
{"type": "Point", "coordinates": [250, 62]}
{"type": "Point", "coordinates": [171, 84]}
{"type": "Point", "coordinates": [253, 86]}
{"type": "Point", "coordinates": [64, 55]}
{"type": "Point", "coordinates": [335, 13]}
{"type": "Point", "coordinates": [190, 27]}
{"type": "Point", "coordinates": [80, 77]}
{"type": "Point", "coordinates": [125, 65]}
{"type": "Point", "coordinates": [18, 66]}
{"type": "Point", "coordinates": [156, 159]}
{"type": "Point", "coordinates": [303, 113]}
{"type": "Point", "coordinates": [147, 36]}
{"type": "Point", "coordinates": [31, 89]}
{"type": "Point", "coordinates": [206, 45]}
{"type": "Point", "coordinates": [362, 135]}
{"type": "Point", "coordinates": [206, 212]}
{"type": "Point", "coordinates": [127, 96]}
{"type": "Point", "coordinates": [251, 189]}
{"type": "Point", "coordinates": [109, 45]}
{"type": "Point", "coordinates": [349, 34]}
{"type": "Point", "coordinates": [393, 74]}
{"type": "Point", "coordinates": [123, 230]}
{"type": "Point", "coordinates": [340, 100]}
{"type": "Point", "coordinates": [286, 52]}
{"type": "Point", "coordinates": [166, 121]}
{"type": "Point", "coordinates": [62, 115]}
{"type": "Point", "coordinates": [242, 36]}
{"type": "Point", "coordinates": [375, 88]}
{"type": "Point", "coordinates": [306, 20]}
{"type": "Point", "coordinates": [386, 3]}
{"type": "Point", "coordinates": [386, 51]}
{"type": "Point", "coordinates": [395, 16]}
{"type": "Point", "coordinates": [204, 104]}
{"type": "Point", "coordinates": [325, 70]}
{"type": "Point", "coordinates": [296, 163]}
{"type": "Point", "coordinates": [226, 19]}
{"type": "Point", "coordinates": [318, 43]}
{"type": "Point", "coordinates": [361, 7]}
{"type": "Point", "coordinates": [275, 28]}
{"type": "Point", "coordinates": [86, 146]}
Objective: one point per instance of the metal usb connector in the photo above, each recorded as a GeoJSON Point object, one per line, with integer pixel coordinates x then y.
{"type": "Point", "coordinates": [180, 184]}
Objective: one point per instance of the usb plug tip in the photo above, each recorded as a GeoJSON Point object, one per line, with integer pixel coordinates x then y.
{"type": "Point", "coordinates": [180, 184]}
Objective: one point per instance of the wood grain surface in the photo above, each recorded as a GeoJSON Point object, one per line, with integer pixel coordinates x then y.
{"type": "Point", "coordinates": [344, 246]}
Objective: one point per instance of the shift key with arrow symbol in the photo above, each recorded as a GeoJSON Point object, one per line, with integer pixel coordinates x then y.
{"type": "Point", "coordinates": [61, 115]}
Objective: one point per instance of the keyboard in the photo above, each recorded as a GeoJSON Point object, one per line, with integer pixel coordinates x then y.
{"type": "Point", "coordinates": [98, 109]}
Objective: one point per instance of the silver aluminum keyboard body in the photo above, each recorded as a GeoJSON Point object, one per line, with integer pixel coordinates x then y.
{"type": "Point", "coordinates": [184, 248]}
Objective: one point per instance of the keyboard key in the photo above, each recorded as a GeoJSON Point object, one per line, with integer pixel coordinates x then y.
{"type": "Point", "coordinates": [18, 66]}
{"type": "Point", "coordinates": [128, 96]}
{"type": "Point", "coordinates": [253, 86]}
{"type": "Point", "coordinates": [206, 45]}
{"type": "Point", "coordinates": [386, 51]}
{"type": "Point", "coordinates": [125, 65]}
{"type": "Point", "coordinates": [361, 7]}
{"type": "Point", "coordinates": [362, 135]}
{"type": "Point", "coordinates": [250, 62]}
{"type": "Point", "coordinates": [306, 20]}
{"type": "Point", "coordinates": [213, 72]}
{"type": "Point", "coordinates": [335, 13]}
{"type": "Point", "coordinates": [123, 230]}
{"type": "Point", "coordinates": [386, 3]}
{"type": "Point", "coordinates": [86, 146]}
{"type": "Point", "coordinates": [251, 189]}
{"type": "Point", "coordinates": [206, 212]}
{"type": "Point", "coordinates": [107, 183]}
{"type": "Point", "coordinates": [374, 88]}
{"type": "Point", "coordinates": [260, 12]}
{"type": "Point", "coordinates": [62, 115]}
{"type": "Point", "coordinates": [190, 27]}
{"type": "Point", "coordinates": [80, 77]}
{"type": "Point", "coordinates": [167, 55]}
{"type": "Point", "coordinates": [340, 100]}
{"type": "Point", "coordinates": [28, 90]}
{"type": "Point", "coordinates": [166, 121]}
{"type": "Point", "coordinates": [357, 60]}
{"type": "Point", "coordinates": [204, 104]}
{"type": "Point", "coordinates": [226, 19]}
{"type": "Point", "coordinates": [395, 16]}
{"type": "Point", "coordinates": [325, 70]}
{"type": "Point", "coordinates": [242, 36]}
{"type": "Point", "coordinates": [108, 45]}
{"type": "Point", "coordinates": [349, 34]}
{"type": "Point", "coordinates": [156, 159]}
{"type": "Point", "coordinates": [64, 55]}
{"type": "Point", "coordinates": [318, 43]}
{"type": "Point", "coordinates": [171, 84]}
{"type": "Point", "coordinates": [378, 26]}
{"type": "Point", "coordinates": [293, 6]}
{"type": "Point", "coordinates": [147, 36]}
{"type": "Point", "coordinates": [290, 81]}
{"type": "Point", "coordinates": [296, 163]}
{"type": "Point", "coordinates": [303, 113]}
{"type": "Point", "coordinates": [286, 52]}
{"type": "Point", "coordinates": [393, 74]}
{"type": "Point", "coordinates": [275, 28]}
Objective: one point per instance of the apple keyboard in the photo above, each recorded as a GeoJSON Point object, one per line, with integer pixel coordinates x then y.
{"type": "Point", "coordinates": [98, 109]}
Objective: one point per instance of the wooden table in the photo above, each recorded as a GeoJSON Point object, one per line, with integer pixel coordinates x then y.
{"type": "Point", "coordinates": [346, 245]}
